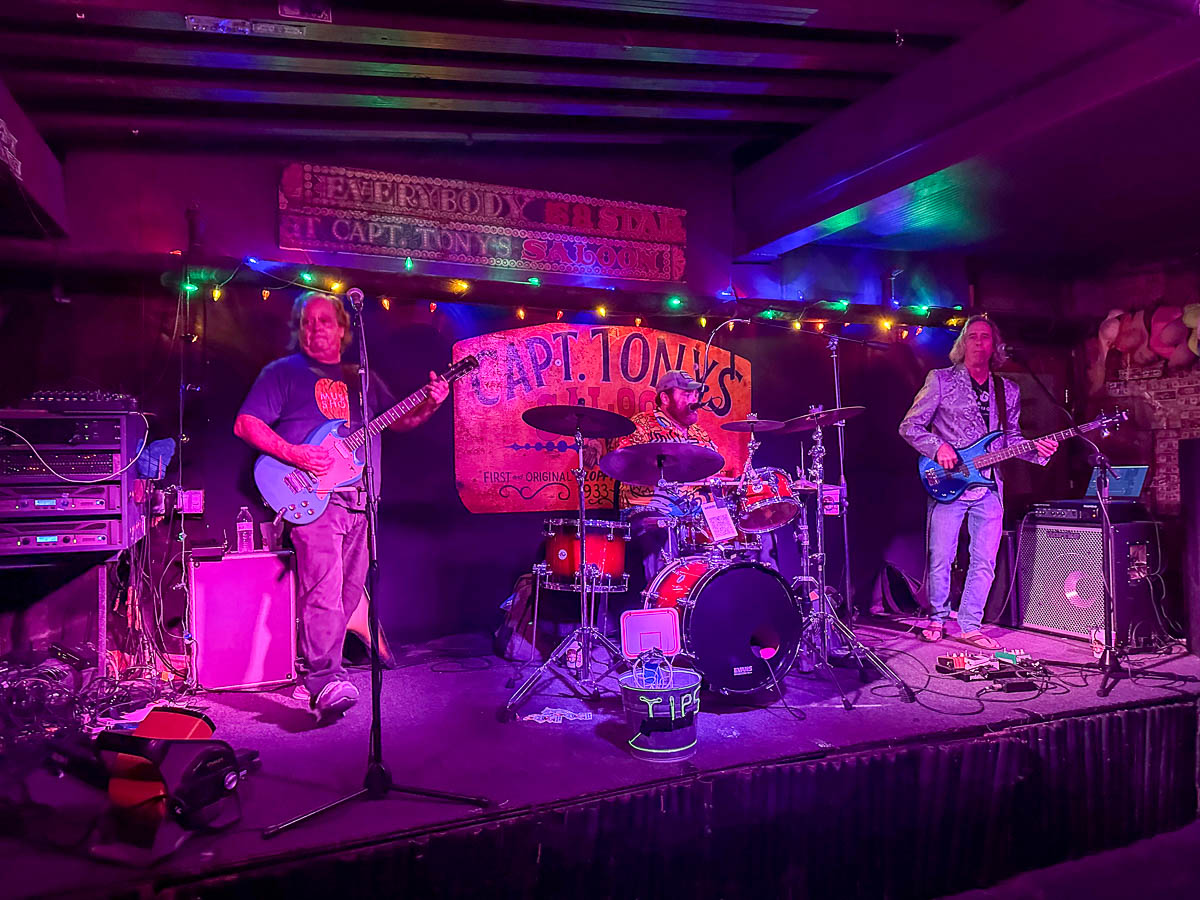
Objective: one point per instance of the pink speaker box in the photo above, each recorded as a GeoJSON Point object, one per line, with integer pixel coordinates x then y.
{"type": "Point", "coordinates": [242, 619]}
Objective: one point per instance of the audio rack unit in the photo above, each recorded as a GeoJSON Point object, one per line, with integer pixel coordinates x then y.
{"type": "Point", "coordinates": [66, 483]}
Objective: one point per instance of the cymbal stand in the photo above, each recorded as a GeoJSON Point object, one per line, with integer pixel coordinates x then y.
{"type": "Point", "coordinates": [587, 635]}
{"type": "Point", "coordinates": [823, 621]}
{"type": "Point", "coordinates": [843, 496]}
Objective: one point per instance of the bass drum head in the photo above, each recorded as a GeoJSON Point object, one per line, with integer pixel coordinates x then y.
{"type": "Point", "coordinates": [742, 625]}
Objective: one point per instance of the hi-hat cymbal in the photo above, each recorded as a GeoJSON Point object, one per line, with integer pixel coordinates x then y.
{"type": "Point", "coordinates": [744, 425]}
{"type": "Point", "coordinates": [640, 464]}
{"type": "Point", "coordinates": [822, 419]}
{"type": "Point", "coordinates": [564, 418]}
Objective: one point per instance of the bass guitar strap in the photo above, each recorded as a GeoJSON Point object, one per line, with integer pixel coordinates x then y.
{"type": "Point", "coordinates": [1001, 406]}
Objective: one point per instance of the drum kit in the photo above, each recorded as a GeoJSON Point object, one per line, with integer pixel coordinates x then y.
{"type": "Point", "coordinates": [743, 625]}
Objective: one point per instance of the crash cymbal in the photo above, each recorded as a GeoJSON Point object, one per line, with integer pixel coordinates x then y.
{"type": "Point", "coordinates": [681, 462]}
{"type": "Point", "coordinates": [564, 419]}
{"type": "Point", "coordinates": [751, 424]}
{"type": "Point", "coordinates": [822, 419]}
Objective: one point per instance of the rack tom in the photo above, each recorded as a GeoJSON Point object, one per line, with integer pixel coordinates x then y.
{"type": "Point", "coordinates": [765, 501]}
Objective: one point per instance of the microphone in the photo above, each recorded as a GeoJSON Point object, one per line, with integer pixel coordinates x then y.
{"type": "Point", "coordinates": [695, 406]}
{"type": "Point", "coordinates": [355, 295]}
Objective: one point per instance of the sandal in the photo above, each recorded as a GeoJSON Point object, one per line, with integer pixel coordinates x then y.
{"type": "Point", "coordinates": [978, 640]}
{"type": "Point", "coordinates": [933, 632]}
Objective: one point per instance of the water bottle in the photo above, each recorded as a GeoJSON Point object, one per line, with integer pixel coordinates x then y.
{"type": "Point", "coordinates": [245, 531]}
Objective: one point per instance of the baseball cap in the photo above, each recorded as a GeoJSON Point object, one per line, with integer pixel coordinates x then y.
{"type": "Point", "coordinates": [678, 379]}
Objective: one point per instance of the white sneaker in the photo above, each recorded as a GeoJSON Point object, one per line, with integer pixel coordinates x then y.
{"type": "Point", "coordinates": [334, 700]}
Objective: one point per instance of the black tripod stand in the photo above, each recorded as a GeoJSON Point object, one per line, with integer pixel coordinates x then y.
{"type": "Point", "coordinates": [377, 783]}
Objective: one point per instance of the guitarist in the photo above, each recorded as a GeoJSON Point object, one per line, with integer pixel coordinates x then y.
{"type": "Point", "coordinates": [955, 407]}
{"type": "Point", "coordinates": [292, 396]}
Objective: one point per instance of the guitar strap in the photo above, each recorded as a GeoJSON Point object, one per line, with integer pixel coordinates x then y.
{"type": "Point", "coordinates": [1001, 406]}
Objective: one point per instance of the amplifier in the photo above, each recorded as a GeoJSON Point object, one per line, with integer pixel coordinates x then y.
{"type": "Point", "coordinates": [68, 536]}
{"type": "Point", "coordinates": [80, 401]}
{"type": "Point", "coordinates": [1060, 587]}
{"type": "Point", "coordinates": [1087, 511]}
{"type": "Point", "coordinates": [242, 618]}
{"type": "Point", "coordinates": [40, 501]}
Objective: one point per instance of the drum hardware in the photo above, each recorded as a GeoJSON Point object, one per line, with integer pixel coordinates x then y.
{"type": "Point", "coordinates": [823, 622]}
{"type": "Point", "coordinates": [579, 421]}
{"type": "Point", "coordinates": [660, 464]}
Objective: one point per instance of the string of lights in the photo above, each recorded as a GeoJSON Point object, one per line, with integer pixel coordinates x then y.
{"type": "Point", "coordinates": [900, 321]}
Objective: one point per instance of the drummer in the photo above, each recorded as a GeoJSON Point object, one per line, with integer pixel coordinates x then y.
{"type": "Point", "coordinates": [674, 418]}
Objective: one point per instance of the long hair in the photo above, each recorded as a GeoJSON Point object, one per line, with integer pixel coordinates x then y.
{"type": "Point", "coordinates": [958, 352]}
{"type": "Point", "coordinates": [339, 310]}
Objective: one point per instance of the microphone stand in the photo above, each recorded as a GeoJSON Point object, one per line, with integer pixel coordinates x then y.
{"type": "Point", "coordinates": [377, 783]}
{"type": "Point", "coordinates": [1112, 664]}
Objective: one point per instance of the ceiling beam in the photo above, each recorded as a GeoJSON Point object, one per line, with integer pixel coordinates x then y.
{"type": "Point", "coordinates": [1024, 73]}
{"type": "Point", "coordinates": [46, 48]}
{"type": "Point", "coordinates": [142, 128]}
{"type": "Point", "coordinates": [387, 29]}
{"type": "Point", "coordinates": [41, 86]}
{"type": "Point", "coordinates": [929, 17]}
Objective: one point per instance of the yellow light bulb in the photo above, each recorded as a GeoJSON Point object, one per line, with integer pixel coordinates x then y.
{"type": "Point", "coordinates": [731, 326]}
{"type": "Point", "coordinates": [796, 324]}
{"type": "Point", "coordinates": [703, 321]}
{"type": "Point", "coordinates": [385, 302]}
{"type": "Point", "coordinates": [336, 287]}
{"type": "Point", "coordinates": [266, 294]}
{"type": "Point", "coordinates": [459, 286]}
{"type": "Point", "coordinates": [886, 324]}
{"type": "Point", "coordinates": [216, 293]}
{"type": "Point", "coordinates": [638, 321]}
{"type": "Point", "coordinates": [602, 311]}
{"type": "Point", "coordinates": [521, 313]}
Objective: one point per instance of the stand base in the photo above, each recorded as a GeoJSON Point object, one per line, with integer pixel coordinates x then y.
{"type": "Point", "coordinates": [828, 619]}
{"type": "Point", "coordinates": [376, 785]}
{"type": "Point", "coordinates": [588, 637]}
{"type": "Point", "coordinates": [1112, 668]}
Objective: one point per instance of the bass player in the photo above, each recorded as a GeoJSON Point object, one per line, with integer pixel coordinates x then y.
{"type": "Point", "coordinates": [955, 407]}
{"type": "Point", "coordinates": [292, 396]}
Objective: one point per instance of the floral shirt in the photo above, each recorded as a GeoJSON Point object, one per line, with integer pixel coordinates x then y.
{"type": "Point", "coordinates": [656, 425]}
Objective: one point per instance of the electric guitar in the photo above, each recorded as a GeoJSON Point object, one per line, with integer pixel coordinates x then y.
{"type": "Point", "coordinates": [300, 497]}
{"type": "Point", "coordinates": [945, 485]}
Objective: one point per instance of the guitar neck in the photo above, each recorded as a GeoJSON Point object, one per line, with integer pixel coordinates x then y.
{"type": "Point", "coordinates": [383, 420]}
{"type": "Point", "coordinates": [1021, 448]}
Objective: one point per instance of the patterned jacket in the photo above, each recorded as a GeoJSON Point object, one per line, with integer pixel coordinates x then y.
{"type": "Point", "coordinates": [945, 410]}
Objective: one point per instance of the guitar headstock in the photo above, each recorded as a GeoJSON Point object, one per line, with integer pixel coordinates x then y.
{"type": "Point", "coordinates": [464, 366]}
{"type": "Point", "coordinates": [1110, 421]}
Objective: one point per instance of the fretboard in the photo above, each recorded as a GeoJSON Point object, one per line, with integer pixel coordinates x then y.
{"type": "Point", "coordinates": [383, 420]}
{"type": "Point", "coordinates": [1021, 448]}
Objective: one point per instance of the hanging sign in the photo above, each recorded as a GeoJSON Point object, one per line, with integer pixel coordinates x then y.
{"type": "Point", "coordinates": [389, 214]}
{"type": "Point", "coordinates": [502, 464]}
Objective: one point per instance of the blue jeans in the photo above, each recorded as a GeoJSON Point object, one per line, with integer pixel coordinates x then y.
{"type": "Point", "coordinates": [985, 525]}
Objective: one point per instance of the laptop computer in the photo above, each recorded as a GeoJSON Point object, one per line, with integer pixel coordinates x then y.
{"type": "Point", "coordinates": [1125, 482]}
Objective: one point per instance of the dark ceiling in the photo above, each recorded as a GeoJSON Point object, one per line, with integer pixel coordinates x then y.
{"type": "Point", "coordinates": [739, 76]}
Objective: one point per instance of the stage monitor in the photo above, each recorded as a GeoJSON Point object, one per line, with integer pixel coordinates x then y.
{"type": "Point", "coordinates": [1125, 482]}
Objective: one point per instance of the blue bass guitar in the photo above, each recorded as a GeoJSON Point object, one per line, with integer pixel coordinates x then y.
{"type": "Point", "coordinates": [300, 497]}
{"type": "Point", "coordinates": [976, 461]}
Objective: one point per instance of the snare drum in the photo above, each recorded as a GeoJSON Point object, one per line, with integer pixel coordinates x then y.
{"type": "Point", "coordinates": [765, 501]}
{"type": "Point", "coordinates": [605, 546]}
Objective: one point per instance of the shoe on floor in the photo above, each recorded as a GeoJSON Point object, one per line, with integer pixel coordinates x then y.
{"type": "Point", "coordinates": [333, 700]}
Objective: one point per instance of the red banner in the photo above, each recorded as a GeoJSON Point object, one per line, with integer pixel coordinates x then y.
{"type": "Point", "coordinates": [503, 465]}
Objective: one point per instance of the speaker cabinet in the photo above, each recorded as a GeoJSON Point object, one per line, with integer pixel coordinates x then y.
{"type": "Point", "coordinates": [1060, 584]}
{"type": "Point", "coordinates": [243, 620]}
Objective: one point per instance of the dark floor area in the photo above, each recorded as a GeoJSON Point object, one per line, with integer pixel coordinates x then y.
{"type": "Point", "coordinates": [441, 731]}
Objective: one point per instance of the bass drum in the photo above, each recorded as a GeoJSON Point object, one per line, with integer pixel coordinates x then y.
{"type": "Point", "coordinates": [739, 621]}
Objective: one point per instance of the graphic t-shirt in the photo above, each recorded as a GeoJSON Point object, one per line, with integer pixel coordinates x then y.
{"type": "Point", "coordinates": [656, 425]}
{"type": "Point", "coordinates": [296, 394]}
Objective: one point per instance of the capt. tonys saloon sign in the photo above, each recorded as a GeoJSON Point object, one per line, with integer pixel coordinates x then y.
{"type": "Point", "coordinates": [389, 214]}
